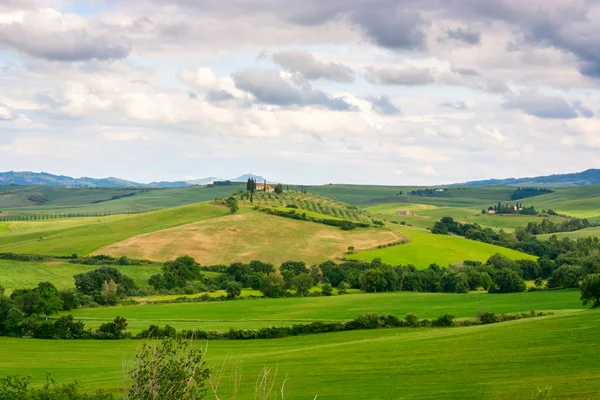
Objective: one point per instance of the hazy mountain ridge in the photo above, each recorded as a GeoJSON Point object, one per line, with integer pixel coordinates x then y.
{"type": "Point", "coordinates": [27, 178]}
{"type": "Point", "coordinates": [578, 179]}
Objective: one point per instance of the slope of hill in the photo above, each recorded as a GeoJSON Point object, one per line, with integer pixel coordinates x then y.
{"type": "Point", "coordinates": [59, 237]}
{"type": "Point", "coordinates": [250, 235]}
{"type": "Point", "coordinates": [426, 248]}
{"type": "Point", "coordinates": [588, 177]}
{"type": "Point", "coordinates": [15, 199]}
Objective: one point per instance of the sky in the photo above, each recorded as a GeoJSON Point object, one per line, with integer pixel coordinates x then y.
{"type": "Point", "coordinates": [396, 92]}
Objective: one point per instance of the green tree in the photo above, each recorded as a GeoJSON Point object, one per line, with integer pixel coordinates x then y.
{"type": "Point", "coordinates": [14, 320]}
{"type": "Point", "coordinates": [233, 290]}
{"type": "Point", "coordinates": [279, 188]}
{"type": "Point", "coordinates": [326, 290]}
{"type": "Point", "coordinates": [2, 290]}
{"type": "Point", "coordinates": [590, 290]}
{"type": "Point", "coordinates": [507, 281]}
{"type": "Point", "coordinates": [232, 203]}
{"type": "Point", "coordinates": [566, 276]}
{"type": "Point", "coordinates": [272, 285]}
{"type": "Point", "coordinates": [302, 283]}
{"type": "Point", "coordinates": [372, 280]}
{"type": "Point", "coordinates": [48, 299]}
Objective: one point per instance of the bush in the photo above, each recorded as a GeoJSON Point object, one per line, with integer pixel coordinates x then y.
{"type": "Point", "coordinates": [443, 321]}
{"type": "Point", "coordinates": [487, 318]}
{"type": "Point", "coordinates": [326, 289]}
{"type": "Point", "coordinates": [233, 290]}
{"type": "Point", "coordinates": [411, 320]}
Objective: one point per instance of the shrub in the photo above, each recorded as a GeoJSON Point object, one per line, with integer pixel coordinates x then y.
{"type": "Point", "coordinates": [233, 290]}
{"type": "Point", "coordinates": [326, 289]}
{"type": "Point", "coordinates": [444, 320]}
{"type": "Point", "coordinates": [171, 370]}
{"type": "Point", "coordinates": [487, 318]}
{"type": "Point", "coordinates": [411, 320]}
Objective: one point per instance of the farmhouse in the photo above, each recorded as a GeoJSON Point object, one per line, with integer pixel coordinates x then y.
{"type": "Point", "coordinates": [261, 188]}
{"type": "Point", "coordinates": [491, 212]}
{"type": "Point", "coordinates": [403, 212]}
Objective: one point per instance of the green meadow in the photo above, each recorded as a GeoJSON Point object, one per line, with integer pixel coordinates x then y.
{"type": "Point", "coordinates": [287, 311]}
{"type": "Point", "coordinates": [425, 249]}
{"type": "Point", "coordinates": [500, 361]}
{"type": "Point", "coordinates": [57, 239]}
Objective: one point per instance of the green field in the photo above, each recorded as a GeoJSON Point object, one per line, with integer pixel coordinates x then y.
{"type": "Point", "coordinates": [426, 248]}
{"type": "Point", "coordinates": [85, 200]}
{"type": "Point", "coordinates": [19, 275]}
{"type": "Point", "coordinates": [594, 232]}
{"type": "Point", "coordinates": [286, 311]}
{"type": "Point", "coordinates": [500, 361]}
{"type": "Point", "coordinates": [61, 239]}
{"type": "Point", "coordinates": [424, 216]}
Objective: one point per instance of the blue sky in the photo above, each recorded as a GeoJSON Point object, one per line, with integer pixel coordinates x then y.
{"type": "Point", "coordinates": [356, 91]}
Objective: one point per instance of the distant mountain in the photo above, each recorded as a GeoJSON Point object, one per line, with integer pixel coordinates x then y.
{"type": "Point", "coordinates": [27, 178]}
{"type": "Point", "coordinates": [165, 184]}
{"type": "Point", "coordinates": [244, 178]}
{"type": "Point", "coordinates": [204, 181]}
{"type": "Point", "coordinates": [43, 178]}
{"type": "Point", "coordinates": [585, 178]}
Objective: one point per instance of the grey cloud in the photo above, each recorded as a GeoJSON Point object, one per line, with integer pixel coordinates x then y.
{"type": "Point", "coordinates": [383, 105]}
{"type": "Point", "coordinates": [304, 63]}
{"type": "Point", "coordinates": [267, 86]}
{"type": "Point", "coordinates": [219, 95]}
{"type": "Point", "coordinates": [456, 105]}
{"type": "Point", "coordinates": [465, 71]}
{"type": "Point", "coordinates": [400, 76]}
{"type": "Point", "coordinates": [466, 36]}
{"type": "Point", "coordinates": [393, 27]}
{"type": "Point", "coordinates": [582, 110]}
{"type": "Point", "coordinates": [393, 24]}
{"type": "Point", "coordinates": [544, 106]}
{"type": "Point", "coordinates": [71, 45]}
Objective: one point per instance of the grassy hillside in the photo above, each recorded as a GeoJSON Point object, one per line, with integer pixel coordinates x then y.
{"type": "Point", "coordinates": [424, 216]}
{"type": "Point", "coordinates": [574, 235]}
{"type": "Point", "coordinates": [18, 275]}
{"type": "Point", "coordinates": [581, 202]}
{"type": "Point", "coordinates": [426, 248]}
{"type": "Point", "coordinates": [455, 196]}
{"type": "Point", "coordinates": [501, 361]}
{"type": "Point", "coordinates": [286, 311]}
{"type": "Point", "coordinates": [61, 240]}
{"type": "Point", "coordinates": [250, 235]}
{"type": "Point", "coordinates": [81, 200]}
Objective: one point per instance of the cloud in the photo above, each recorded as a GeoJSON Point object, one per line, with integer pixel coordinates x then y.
{"type": "Point", "coordinates": [383, 105]}
{"type": "Point", "coordinates": [6, 113]}
{"type": "Point", "coordinates": [456, 105]}
{"type": "Point", "coordinates": [465, 36]}
{"type": "Point", "coordinates": [410, 76]}
{"type": "Point", "coordinates": [392, 26]}
{"type": "Point", "coordinates": [465, 71]}
{"type": "Point", "coordinates": [427, 170]}
{"type": "Point", "coordinates": [545, 106]}
{"type": "Point", "coordinates": [304, 63]}
{"type": "Point", "coordinates": [267, 86]}
{"type": "Point", "coordinates": [52, 35]}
